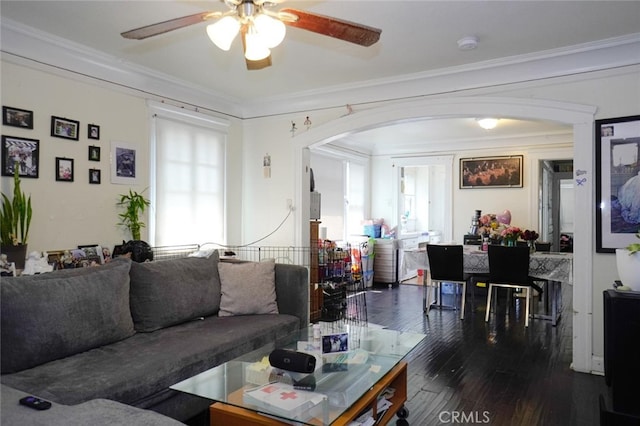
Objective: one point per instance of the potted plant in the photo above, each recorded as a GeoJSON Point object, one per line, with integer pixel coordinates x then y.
{"type": "Point", "coordinates": [134, 205]}
{"type": "Point", "coordinates": [15, 220]}
{"type": "Point", "coordinates": [628, 263]}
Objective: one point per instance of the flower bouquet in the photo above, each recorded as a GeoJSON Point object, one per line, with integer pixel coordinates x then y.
{"type": "Point", "coordinates": [511, 234]}
{"type": "Point", "coordinates": [530, 236]}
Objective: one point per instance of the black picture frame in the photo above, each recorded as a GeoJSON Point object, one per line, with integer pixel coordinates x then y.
{"type": "Point", "coordinates": [93, 131]}
{"type": "Point", "coordinates": [491, 172]}
{"type": "Point", "coordinates": [17, 117]}
{"type": "Point", "coordinates": [95, 176]}
{"type": "Point", "coordinates": [617, 177]}
{"type": "Point", "coordinates": [64, 128]}
{"type": "Point", "coordinates": [64, 169]}
{"type": "Point", "coordinates": [24, 151]}
{"type": "Point", "coordinates": [94, 153]}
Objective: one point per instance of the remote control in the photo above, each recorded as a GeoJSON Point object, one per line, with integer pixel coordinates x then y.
{"type": "Point", "coordinates": [35, 403]}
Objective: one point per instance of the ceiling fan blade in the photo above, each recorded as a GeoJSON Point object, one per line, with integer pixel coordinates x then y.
{"type": "Point", "coordinates": [334, 27]}
{"type": "Point", "coordinates": [170, 25]}
{"type": "Point", "coordinates": [254, 65]}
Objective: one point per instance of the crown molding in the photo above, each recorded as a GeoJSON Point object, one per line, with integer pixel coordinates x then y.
{"type": "Point", "coordinates": [31, 47]}
{"type": "Point", "coordinates": [576, 61]}
{"type": "Point", "coordinates": [34, 48]}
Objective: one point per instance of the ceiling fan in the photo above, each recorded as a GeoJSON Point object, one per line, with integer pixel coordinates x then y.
{"type": "Point", "coordinates": [261, 28]}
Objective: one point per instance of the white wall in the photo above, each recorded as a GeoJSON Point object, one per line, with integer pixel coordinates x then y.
{"type": "Point", "coordinates": [67, 214]}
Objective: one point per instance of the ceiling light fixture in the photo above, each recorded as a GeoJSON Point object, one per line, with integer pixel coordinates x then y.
{"type": "Point", "coordinates": [262, 32]}
{"type": "Point", "coordinates": [487, 123]}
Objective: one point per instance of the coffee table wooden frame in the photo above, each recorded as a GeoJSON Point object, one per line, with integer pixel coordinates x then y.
{"type": "Point", "coordinates": [222, 414]}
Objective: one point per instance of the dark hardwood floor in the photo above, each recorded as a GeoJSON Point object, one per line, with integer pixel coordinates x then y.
{"type": "Point", "coordinates": [470, 372]}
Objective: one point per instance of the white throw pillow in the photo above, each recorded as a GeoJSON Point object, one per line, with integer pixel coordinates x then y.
{"type": "Point", "coordinates": [248, 288]}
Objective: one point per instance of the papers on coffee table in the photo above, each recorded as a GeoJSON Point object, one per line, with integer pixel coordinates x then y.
{"type": "Point", "coordinates": [283, 399]}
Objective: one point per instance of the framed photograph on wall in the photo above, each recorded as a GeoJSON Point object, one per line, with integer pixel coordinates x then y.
{"type": "Point", "coordinates": [64, 128]}
{"type": "Point", "coordinates": [17, 117]}
{"type": "Point", "coordinates": [64, 169]}
{"type": "Point", "coordinates": [123, 163]}
{"type": "Point", "coordinates": [94, 176]}
{"type": "Point", "coordinates": [21, 153]}
{"type": "Point", "coordinates": [617, 182]}
{"type": "Point", "coordinates": [94, 153]}
{"type": "Point", "coordinates": [93, 131]}
{"type": "Point", "coordinates": [491, 172]}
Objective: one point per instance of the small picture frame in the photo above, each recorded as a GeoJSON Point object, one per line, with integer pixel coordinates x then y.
{"type": "Point", "coordinates": [22, 153]}
{"type": "Point", "coordinates": [64, 169]}
{"type": "Point", "coordinates": [94, 153]}
{"type": "Point", "coordinates": [93, 131]}
{"type": "Point", "coordinates": [335, 343]}
{"type": "Point", "coordinates": [94, 176]}
{"type": "Point", "coordinates": [64, 128]}
{"type": "Point", "coordinates": [17, 117]}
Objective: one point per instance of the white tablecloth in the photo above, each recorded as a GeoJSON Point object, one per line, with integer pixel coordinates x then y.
{"type": "Point", "coordinates": [544, 265]}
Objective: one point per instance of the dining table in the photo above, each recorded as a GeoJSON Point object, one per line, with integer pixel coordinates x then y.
{"type": "Point", "coordinates": [556, 268]}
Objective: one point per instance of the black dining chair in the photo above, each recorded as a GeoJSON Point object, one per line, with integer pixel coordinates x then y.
{"type": "Point", "coordinates": [446, 265]}
{"type": "Point", "coordinates": [509, 268]}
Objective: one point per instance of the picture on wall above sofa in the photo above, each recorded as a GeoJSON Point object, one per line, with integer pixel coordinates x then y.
{"type": "Point", "coordinates": [20, 153]}
{"type": "Point", "coordinates": [17, 117]}
{"type": "Point", "coordinates": [64, 128]}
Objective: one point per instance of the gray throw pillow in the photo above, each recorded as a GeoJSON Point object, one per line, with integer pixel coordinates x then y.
{"type": "Point", "coordinates": [170, 292]}
{"type": "Point", "coordinates": [50, 316]}
{"type": "Point", "coordinates": [248, 288]}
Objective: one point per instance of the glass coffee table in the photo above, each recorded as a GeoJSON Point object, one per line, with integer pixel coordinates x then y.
{"type": "Point", "coordinates": [365, 377]}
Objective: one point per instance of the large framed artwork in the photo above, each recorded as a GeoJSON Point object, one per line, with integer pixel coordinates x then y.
{"type": "Point", "coordinates": [617, 182]}
{"type": "Point", "coordinates": [123, 163]}
{"type": "Point", "coordinates": [491, 172]}
{"type": "Point", "coordinates": [21, 153]}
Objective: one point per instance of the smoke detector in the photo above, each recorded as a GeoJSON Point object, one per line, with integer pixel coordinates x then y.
{"type": "Point", "coordinates": [468, 43]}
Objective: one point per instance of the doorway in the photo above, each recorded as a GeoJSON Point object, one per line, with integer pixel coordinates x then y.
{"type": "Point", "coordinates": [557, 204]}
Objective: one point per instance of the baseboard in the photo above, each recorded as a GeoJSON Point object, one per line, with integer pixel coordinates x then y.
{"type": "Point", "coordinates": [597, 365]}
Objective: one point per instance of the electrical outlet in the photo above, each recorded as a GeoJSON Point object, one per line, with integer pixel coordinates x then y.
{"type": "Point", "coordinates": [289, 204]}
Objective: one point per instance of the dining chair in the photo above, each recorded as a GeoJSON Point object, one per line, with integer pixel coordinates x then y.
{"type": "Point", "coordinates": [509, 268]}
{"type": "Point", "coordinates": [446, 265]}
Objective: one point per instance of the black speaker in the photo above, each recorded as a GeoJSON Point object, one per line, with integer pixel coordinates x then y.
{"type": "Point", "coordinates": [292, 361]}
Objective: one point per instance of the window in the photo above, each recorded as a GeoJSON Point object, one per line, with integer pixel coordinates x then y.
{"type": "Point", "coordinates": [188, 178]}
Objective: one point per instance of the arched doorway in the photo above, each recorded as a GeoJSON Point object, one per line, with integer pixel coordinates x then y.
{"type": "Point", "coordinates": [581, 117]}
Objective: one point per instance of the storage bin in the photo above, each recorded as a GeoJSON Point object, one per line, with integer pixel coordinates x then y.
{"type": "Point", "coordinates": [373, 231]}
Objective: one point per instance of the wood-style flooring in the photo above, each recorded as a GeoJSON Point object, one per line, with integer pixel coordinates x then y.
{"type": "Point", "coordinates": [470, 372]}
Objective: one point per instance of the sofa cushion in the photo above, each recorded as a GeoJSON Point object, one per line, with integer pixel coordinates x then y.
{"type": "Point", "coordinates": [139, 370]}
{"type": "Point", "coordinates": [57, 314]}
{"type": "Point", "coordinates": [248, 288]}
{"type": "Point", "coordinates": [170, 292]}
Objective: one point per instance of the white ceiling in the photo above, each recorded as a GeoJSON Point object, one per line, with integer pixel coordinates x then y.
{"type": "Point", "coordinates": [417, 36]}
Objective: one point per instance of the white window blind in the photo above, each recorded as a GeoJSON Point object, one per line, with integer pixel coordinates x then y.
{"type": "Point", "coordinates": [189, 182]}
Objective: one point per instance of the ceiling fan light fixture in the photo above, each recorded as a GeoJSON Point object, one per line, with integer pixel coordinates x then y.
{"type": "Point", "coordinates": [271, 30]}
{"type": "Point", "coordinates": [487, 123]}
{"type": "Point", "coordinates": [223, 32]}
{"type": "Point", "coordinates": [255, 49]}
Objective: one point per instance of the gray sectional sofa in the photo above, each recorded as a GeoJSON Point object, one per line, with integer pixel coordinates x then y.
{"type": "Point", "coordinates": [126, 331]}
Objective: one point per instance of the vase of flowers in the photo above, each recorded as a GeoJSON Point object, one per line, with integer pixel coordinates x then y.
{"type": "Point", "coordinates": [510, 235]}
{"type": "Point", "coordinates": [530, 237]}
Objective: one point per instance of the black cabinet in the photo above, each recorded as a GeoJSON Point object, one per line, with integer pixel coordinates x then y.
{"type": "Point", "coordinates": [622, 349]}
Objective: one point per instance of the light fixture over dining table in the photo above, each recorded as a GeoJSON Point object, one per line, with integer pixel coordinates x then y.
{"type": "Point", "coordinates": [487, 123]}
